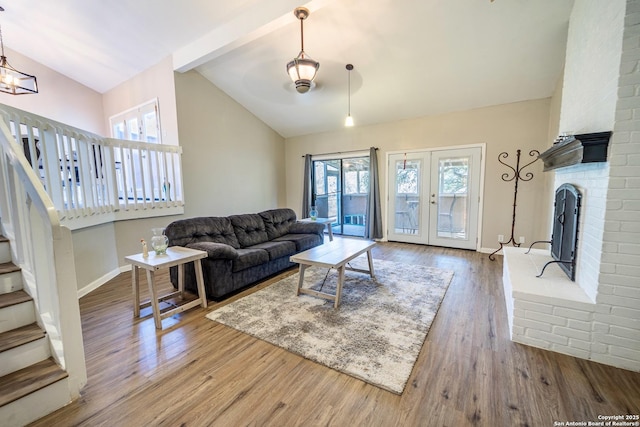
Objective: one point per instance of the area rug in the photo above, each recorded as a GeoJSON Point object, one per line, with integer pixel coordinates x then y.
{"type": "Point", "coordinates": [374, 335]}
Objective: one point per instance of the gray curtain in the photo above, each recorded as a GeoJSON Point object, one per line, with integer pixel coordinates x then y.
{"type": "Point", "coordinates": [374, 214]}
{"type": "Point", "coordinates": [306, 188]}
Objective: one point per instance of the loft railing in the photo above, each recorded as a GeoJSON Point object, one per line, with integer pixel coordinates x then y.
{"type": "Point", "coordinates": [43, 249]}
{"type": "Point", "coordinates": [92, 179]}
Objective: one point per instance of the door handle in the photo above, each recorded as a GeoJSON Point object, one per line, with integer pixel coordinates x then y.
{"type": "Point", "coordinates": [433, 202]}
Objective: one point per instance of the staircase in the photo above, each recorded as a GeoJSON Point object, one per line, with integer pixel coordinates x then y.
{"type": "Point", "coordinates": [32, 384]}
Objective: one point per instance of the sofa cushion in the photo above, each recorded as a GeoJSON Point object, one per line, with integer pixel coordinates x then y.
{"type": "Point", "coordinates": [249, 258]}
{"type": "Point", "coordinates": [249, 229]}
{"type": "Point", "coordinates": [215, 250]}
{"type": "Point", "coordinates": [307, 228]}
{"type": "Point", "coordinates": [203, 229]}
{"type": "Point", "coordinates": [278, 221]}
{"type": "Point", "coordinates": [302, 241]}
{"type": "Point", "coordinates": [277, 249]}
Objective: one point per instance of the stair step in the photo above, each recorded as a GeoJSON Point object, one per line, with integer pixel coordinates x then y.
{"type": "Point", "coordinates": [23, 335]}
{"type": "Point", "coordinates": [8, 267]}
{"type": "Point", "coordinates": [14, 298]}
{"type": "Point", "coordinates": [28, 380]}
{"type": "Point", "coordinates": [3, 239]}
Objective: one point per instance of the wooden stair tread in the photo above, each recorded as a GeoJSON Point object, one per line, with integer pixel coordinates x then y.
{"type": "Point", "coordinates": [19, 336]}
{"type": "Point", "coordinates": [13, 298]}
{"type": "Point", "coordinates": [32, 378]}
{"type": "Point", "coordinates": [8, 267]}
{"type": "Point", "coordinates": [3, 239]}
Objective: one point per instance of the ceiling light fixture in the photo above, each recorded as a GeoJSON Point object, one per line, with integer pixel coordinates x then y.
{"type": "Point", "coordinates": [348, 122]}
{"type": "Point", "coordinates": [13, 81]}
{"type": "Point", "coordinates": [302, 69]}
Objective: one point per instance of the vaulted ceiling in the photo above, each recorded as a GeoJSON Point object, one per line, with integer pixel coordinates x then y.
{"type": "Point", "coordinates": [412, 57]}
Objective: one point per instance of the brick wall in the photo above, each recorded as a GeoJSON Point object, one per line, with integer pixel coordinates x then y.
{"type": "Point", "coordinates": [616, 327]}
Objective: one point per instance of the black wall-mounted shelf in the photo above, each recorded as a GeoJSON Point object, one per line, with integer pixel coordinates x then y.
{"type": "Point", "coordinates": [576, 149]}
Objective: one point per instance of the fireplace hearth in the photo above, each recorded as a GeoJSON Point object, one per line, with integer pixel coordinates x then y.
{"type": "Point", "coordinates": [564, 240]}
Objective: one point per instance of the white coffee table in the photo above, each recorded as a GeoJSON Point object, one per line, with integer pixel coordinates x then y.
{"type": "Point", "coordinates": [326, 221]}
{"type": "Point", "coordinates": [335, 254]}
{"type": "Point", "coordinates": [175, 256]}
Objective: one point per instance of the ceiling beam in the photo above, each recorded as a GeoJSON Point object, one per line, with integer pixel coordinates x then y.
{"type": "Point", "coordinates": [263, 19]}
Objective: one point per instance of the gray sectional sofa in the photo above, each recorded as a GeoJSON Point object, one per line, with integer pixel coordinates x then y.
{"type": "Point", "coordinates": [242, 249]}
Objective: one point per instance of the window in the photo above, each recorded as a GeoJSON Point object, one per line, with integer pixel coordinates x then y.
{"type": "Point", "coordinates": [139, 170]}
{"type": "Point", "coordinates": [407, 177]}
{"type": "Point", "coordinates": [356, 175]}
{"type": "Point", "coordinates": [141, 123]}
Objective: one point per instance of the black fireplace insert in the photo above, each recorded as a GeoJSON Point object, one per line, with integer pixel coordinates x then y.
{"type": "Point", "coordinates": [564, 240]}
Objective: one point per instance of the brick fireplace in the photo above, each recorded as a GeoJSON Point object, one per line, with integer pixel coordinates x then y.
{"type": "Point", "coordinates": [597, 317]}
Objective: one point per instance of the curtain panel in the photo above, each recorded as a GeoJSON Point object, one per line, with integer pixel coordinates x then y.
{"type": "Point", "coordinates": [374, 211]}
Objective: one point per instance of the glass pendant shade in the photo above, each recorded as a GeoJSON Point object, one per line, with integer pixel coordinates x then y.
{"type": "Point", "coordinates": [348, 122]}
{"type": "Point", "coordinates": [302, 70]}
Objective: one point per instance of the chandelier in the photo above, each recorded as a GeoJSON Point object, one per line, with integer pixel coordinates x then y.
{"type": "Point", "coordinates": [302, 69]}
{"type": "Point", "coordinates": [13, 81]}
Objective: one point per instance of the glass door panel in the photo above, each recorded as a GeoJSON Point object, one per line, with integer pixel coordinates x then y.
{"type": "Point", "coordinates": [355, 195]}
{"type": "Point", "coordinates": [341, 191]}
{"type": "Point", "coordinates": [455, 186]}
{"type": "Point", "coordinates": [407, 182]}
{"type": "Point", "coordinates": [326, 187]}
{"type": "Point", "coordinates": [453, 177]}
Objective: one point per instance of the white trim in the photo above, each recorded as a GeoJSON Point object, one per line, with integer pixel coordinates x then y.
{"type": "Point", "coordinates": [339, 156]}
{"type": "Point", "coordinates": [102, 280]}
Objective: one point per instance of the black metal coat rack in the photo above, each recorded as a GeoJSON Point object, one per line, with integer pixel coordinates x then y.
{"type": "Point", "coordinates": [517, 176]}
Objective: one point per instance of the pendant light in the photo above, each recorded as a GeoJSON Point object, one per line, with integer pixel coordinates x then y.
{"type": "Point", "coordinates": [348, 122]}
{"type": "Point", "coordinates": [302, 69]}
{"type": "Point", "coordinates": [13, 81]}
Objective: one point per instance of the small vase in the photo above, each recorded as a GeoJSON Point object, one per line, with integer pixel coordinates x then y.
{"type": "Point", "coordinates": [313, 213]}
{"type": "Point", "coordinates": [159, 242]}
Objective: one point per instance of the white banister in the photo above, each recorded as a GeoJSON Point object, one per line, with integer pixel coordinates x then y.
{"type": "Point", "coordinates": [92, 179]}
{"type": "Point", "coordinates": [43, 249]}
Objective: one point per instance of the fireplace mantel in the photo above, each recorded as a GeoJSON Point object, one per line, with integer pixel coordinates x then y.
{"type": "Point", "coordinates": [576, 149]}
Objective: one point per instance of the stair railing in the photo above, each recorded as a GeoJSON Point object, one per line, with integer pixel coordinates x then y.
{"type": "Point", "coordinates": [43, 248]}
{"type": "Point", "coordinates": [93, 180]}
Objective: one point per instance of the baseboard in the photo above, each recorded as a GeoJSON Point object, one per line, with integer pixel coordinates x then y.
{"type": "Point", "coordinates": [102, 280]}
{"type": "Point", "coordinates": [488, 250]}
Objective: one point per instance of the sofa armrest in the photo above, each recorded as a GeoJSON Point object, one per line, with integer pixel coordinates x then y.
{"type": "Point", "coordinates": [215, 250]}
{"type": "Point", "coordinates": [307, 228]}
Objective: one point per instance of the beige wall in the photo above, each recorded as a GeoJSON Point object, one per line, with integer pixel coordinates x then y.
{"type": "Point", "coordinates": [522, 125]}
{"type": "Point", "coordinates": [59, 97]}
{"type": "Point", "coordinates": [232, 162]}
{"type": "Point", "coordinates": [94, 253]}
{"type": "Point", "coordinates": [155, 82]}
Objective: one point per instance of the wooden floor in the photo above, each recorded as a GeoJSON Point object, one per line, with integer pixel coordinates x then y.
{"type": "Point", "coordinates": [197, 372]}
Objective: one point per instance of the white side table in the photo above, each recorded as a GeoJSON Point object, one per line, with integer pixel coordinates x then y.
{"type": "Point", "coordinates": [326, 221]}
{"type": "Point", "coordinates": [175, 256]}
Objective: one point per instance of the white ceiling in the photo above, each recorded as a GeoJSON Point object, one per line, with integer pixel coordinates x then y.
{"type": "Point", "coordinates": [411, 57]}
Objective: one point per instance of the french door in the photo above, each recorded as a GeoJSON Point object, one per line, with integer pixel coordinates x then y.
{"type": "Point", "coordinates": [434, 197]}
